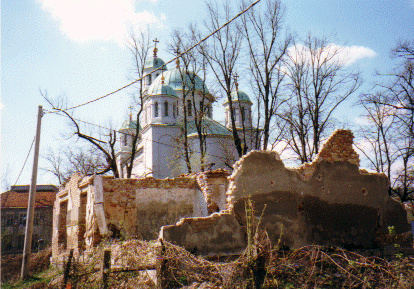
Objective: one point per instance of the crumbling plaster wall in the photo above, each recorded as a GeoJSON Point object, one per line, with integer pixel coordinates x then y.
{"type": "Point", "coordinates": [139, 207]}
{"type": "Point", "coordinates": [88, 209]}
{"type": "Point", "coordinates": [328, 202]}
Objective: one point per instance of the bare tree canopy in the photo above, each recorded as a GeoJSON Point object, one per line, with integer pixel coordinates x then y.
{"type": "Point", "coordinates": [105, 147]}
{"type": "Point", "coordinates": [139, 46]}
{"type": "Point", "coordinates": [318, 82]}
{"type": "Point", "coordinates": [267, 45]}
{"type": "Point", "coordinates": [222, 54]}
{"type": "Point", "coordinates": [70, 160]}
{"type": "Point", "coordinates": [391, 123]}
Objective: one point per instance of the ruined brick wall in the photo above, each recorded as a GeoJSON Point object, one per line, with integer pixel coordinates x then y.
{"type": "Point", "coordinates": [214, 185]}
{"type": "Point", "coordinates": [338, 148]}
{"type": "Point", "coordinates": [329, 201]}
{"type": "Point", "coordinates": [67, 217]}
{"type": "Point", "coordinates": [139, 207]}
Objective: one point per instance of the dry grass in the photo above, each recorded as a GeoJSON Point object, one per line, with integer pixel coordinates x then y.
{"type": "Point", "coordinates": [11, 265]}
{"type": "Point", "coordinates": [307, 267]}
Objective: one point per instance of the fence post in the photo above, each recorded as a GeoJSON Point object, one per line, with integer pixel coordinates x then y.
{"type": "Point", "coordinates": [161, 267]}
{"type": "Point", "coordinates": [106, 268]}
{"type": "Point", "coordinates": [67, 269]}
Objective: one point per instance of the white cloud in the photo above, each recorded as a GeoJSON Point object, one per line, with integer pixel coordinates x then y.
{"type": "Point", "coordinates": [108, 20]}
{"type": "Point", "coordinates": [345, 54]}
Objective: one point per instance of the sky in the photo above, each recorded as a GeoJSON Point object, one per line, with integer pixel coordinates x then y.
{"type": "Point", "coordinates": [76, 49]}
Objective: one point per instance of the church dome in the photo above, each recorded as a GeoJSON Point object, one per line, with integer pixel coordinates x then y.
{"type": "Point", "coordinates": [239, 96]}
{"type": "Point", "coordinates": [129, 124]}
{"type": "Point", "coordinates": [174, 79]}
{"type": "Point", "coordinates": [154, 63]}
{"type": "Point", "coordinates": [161, 89]}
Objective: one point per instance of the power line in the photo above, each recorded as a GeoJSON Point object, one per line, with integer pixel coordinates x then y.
{"type": "Point", "coordinates": [25, 161]}
{"type": "Point", "coordinates": [124, 133]}
{"type": "Point", "coordinates": [173, 59]}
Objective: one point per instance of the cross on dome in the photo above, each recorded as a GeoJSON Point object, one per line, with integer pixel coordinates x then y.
{"type": "Point", "coordinates": [177, 61]}
{"type": "Point", "coordinates": [236, 76]}
{"type": "Point", "coordinates": [155, 48]}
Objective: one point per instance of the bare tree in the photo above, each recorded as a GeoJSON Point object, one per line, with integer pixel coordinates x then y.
{"type": "Point", "coordinates": [5, 178]}
{"type": "Point", "coordinates": [222, 54]}
{"type": "Point", "coordinates": [106, 147]}
{"type": "Point", "coordinates": [378, 133]}
{"type": "Point", "coordinates": [139, 45]}
{"type": "Point", "coordinates": [267, 45]}
{"type": "Point", "coordinates": [66, 162]}
{"type": "Point", "coordinates": [177, 44]}
{"type": "Point", "coordinates": [395, 96]}
{"type": "Point", "coordinates": [319, 82]}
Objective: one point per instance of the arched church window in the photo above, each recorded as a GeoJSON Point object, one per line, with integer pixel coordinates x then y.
{"type": "Point", "coordinates": [125, 139]}
{"type": "Point", "coordinates": [166, 108]}
{"type": "Point", "coordinates": [174, 110]}
{"type": "Point", "coordinates": [149, 79]}
{"type": "Point", "coordinates": [242, 114]}
{"type": "Point", "coordinates": [189, 108]}
{"type": "Point", "coordinates": [156, 109]}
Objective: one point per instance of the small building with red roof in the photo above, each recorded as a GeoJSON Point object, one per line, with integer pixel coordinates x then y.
{"type": "Point", "coordinates": [13, 217]}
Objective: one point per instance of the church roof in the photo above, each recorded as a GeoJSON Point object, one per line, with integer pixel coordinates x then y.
{"type": "Point", "coordinates": [161, 89]}
{"type": "Point", "coordinates": [239, 96]}
{"type": "Point", "coordinates": [174, 79]}
{"type": "Point", "coordinates": [154, 62]}
{"type": "Point", "coordinates": [212, 128]}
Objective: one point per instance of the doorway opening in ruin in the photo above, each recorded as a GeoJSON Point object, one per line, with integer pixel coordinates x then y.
{"type": "Point", "coordinates": [63, 235]}
{"type": "Point", "coordinates": [82, 221]}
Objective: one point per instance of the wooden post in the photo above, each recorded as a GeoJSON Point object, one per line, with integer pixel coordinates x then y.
{"type": "Point", "coordinates": [162, 281]}
{"type": "Point", "coordinates": [106, 268]}
{"type": "Point", "coordinates": [27, 250]}
{"type": "Point", "coordinates": [67, 269]}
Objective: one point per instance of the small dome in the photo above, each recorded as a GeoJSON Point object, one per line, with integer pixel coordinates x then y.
{"type": "Point", "coordinates": [173, 78]}
{"type": "Point", "coordinates": [129, 124]}
{"type": "Point", "coordinates": [161, 89]}
{"type": "Point", "coordinates": [154, 62]}
{"type": "Point", "coordinates": [239, 96]}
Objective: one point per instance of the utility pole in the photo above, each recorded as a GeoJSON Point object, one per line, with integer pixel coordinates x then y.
{"type": "Point", "coordinates": [31, 204]}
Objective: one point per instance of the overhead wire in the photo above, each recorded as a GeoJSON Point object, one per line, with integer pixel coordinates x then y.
{"type": "Point", "coordinates": [24, 164]}
{"type": "Point", "coordinates": [128, 134]}
{"type": "Point", "coordinates": [170, 61]}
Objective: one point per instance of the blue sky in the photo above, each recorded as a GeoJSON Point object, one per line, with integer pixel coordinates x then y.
{"type": "Point", "coordinates": [75, 48]}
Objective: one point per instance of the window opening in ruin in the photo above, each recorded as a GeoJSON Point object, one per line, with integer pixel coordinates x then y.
{"type": "Point", "coordinates": [62, 233]}
{"type": "Point", "coordinates": [166, 108]}
{"type": "Point", "coordinates": [82, 221]}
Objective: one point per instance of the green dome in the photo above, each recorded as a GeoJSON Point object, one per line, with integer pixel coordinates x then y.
{"type": "Point", "coordinates": [173, 78]}
{"type": "Point", "coordinates": [212, 128]}
{"type": "Point", "coordinates": [161, 89]}
{"type": "Point", "coordinates": [154, 62]}
{"type": "Point", "coordinates": [129, 124]}
{"type": "Point", "coordinates": [239, 96]}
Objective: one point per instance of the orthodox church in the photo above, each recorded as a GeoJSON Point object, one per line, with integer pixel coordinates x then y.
{"type": "Point", "coordinates": [160, 149]}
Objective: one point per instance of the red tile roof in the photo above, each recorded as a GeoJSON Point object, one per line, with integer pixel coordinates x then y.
{"type": "Point", "coordinates": [12, 199]}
